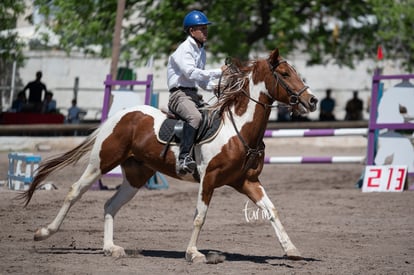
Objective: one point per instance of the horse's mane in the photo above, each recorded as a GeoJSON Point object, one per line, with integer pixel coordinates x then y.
{"type": "Point", "coordinates": [233, 83]}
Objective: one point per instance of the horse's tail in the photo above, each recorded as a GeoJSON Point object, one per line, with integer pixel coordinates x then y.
{"type": "Point", "coordinates": [56, 163]}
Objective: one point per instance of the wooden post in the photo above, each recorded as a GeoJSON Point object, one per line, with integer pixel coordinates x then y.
{"type": "Point", "coordinates": [116, 39]}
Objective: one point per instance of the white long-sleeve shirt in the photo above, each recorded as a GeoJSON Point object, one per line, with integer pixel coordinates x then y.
{"type": "Point", "coordinates": [186, 67]}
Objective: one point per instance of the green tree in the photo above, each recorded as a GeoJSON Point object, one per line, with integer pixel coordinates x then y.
{"type": "Point", "coordinates": [395, 29]}
{"type": "Point", "coordinates": [10, 46]}
{"type": "Point", "coordinates": [340, 32]}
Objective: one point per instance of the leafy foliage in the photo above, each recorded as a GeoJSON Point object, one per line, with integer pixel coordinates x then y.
{"type": "Point", "coordinates": [10, 46]}
{"type": "Point", "coordinates": [342, 32]}
{"type": "Point", "coordinates": [395, 29]}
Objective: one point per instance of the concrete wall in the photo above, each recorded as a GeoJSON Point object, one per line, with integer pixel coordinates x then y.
{"type": "Point", "coordinates": [60, 70]}
{"type": "Point", "coordinates": [38, 144]}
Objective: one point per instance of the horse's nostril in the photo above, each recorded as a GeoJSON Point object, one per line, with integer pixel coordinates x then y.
{"type": "Point", "coordinates": [313, 100]}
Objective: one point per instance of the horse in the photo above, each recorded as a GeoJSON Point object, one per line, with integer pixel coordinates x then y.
{"type": "Point", "coordinates": [235, 156]}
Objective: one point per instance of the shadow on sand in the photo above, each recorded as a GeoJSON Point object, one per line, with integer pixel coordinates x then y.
{"type": "Point", "coordinates": [230, 257]}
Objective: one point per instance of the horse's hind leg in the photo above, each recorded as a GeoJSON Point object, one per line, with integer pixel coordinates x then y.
{"type": "Point", "coordinates": [90, 175]}
{"type": "Point", "coordinates": [256, 192]}
{"type": "Point", "coordinates": [135, 174]}
{"type": "Point", "coordinates": [124, 194]}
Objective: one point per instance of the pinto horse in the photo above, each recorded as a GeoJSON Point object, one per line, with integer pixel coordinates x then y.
{"type": "Point", "coordinates": [235, 157]}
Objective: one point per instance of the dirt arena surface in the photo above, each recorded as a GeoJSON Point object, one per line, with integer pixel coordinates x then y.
{"type": "Point", "coordinates": [337, 228]}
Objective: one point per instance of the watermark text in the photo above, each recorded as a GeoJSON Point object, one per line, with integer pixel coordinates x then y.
{"type": "Point", "coordinates": [254, 213]}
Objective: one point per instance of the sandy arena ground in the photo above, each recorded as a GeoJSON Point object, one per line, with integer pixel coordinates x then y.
{"type": "Point", "coordinates": [337, 228]}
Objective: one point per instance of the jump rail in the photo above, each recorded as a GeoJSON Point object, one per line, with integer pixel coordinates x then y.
{"type": "Point", "coordinates": [316, 132]}
{"type": "Point", "coordinates": [314, 160]}
{"type": "Point", "coordinates": [52, 129]}
{"type": "Point", "coordinates": [67, 129]}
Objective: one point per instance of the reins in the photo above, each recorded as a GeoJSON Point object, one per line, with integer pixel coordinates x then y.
{"type": "Point", "coordinates": [293, 97]}
{"type": "Point", "coordinates": [252, 154]}
{"type": "Point", "coordinates": [231, 66]}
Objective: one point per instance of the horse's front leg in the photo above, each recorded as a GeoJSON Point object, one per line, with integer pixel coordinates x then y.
{"type": "Point", "coordinates": [256, 192]}
{"type": "Point", "coordinates": [203, 200]}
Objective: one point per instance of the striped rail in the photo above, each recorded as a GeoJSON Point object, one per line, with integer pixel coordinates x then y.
{"type": "Point", "coordinates": [315, 133]}
{"type": "Point", "coordinates": [314, 160]}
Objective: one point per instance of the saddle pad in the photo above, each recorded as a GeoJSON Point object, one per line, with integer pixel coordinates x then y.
{"type": "Point", "coordinates": [166, 133]}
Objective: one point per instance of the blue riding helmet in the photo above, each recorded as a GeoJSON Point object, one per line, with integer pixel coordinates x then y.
{"type": "Point", "coordinates": [195, 18]}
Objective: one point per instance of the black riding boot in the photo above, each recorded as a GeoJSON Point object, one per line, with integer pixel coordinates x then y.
{"type": "Point", "coordinates": [186, 162]}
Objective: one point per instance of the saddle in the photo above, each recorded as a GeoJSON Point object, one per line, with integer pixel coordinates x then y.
{"type": "Point", "coordinates": [170, 132]}
{"type": "Point", "coordinates": [171, 129]}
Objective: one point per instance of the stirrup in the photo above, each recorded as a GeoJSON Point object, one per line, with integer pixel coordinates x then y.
{"type": "Point", "coordinates": [186, 165]}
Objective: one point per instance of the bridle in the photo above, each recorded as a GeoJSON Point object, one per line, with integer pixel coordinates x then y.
{"type": "Point", "coordinates": [293, 97]}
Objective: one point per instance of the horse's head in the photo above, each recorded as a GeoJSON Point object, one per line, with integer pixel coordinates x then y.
{"type": "Point", "coordinates": [290, 88]}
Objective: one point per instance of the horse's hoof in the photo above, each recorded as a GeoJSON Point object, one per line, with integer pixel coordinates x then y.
{"type": "Point", "coordinates": [293, 255]}
{"type": "Point", "coordinates": [199, 259]}
{"type": "Point", "coordinates": [41, 234]}
{"type": "Point", "coordinates": [115, 252]}
{"type": "Point", "coordinates": [195, 257]}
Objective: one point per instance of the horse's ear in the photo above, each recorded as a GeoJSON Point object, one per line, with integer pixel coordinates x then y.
{"type": "Point", "coordinates": [274, 56]}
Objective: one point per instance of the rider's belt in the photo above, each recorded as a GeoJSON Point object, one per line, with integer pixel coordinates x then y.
{"type": "Point", "coordinates": [192, 89]}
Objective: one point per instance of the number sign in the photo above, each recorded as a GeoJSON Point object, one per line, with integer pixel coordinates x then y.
{"type": "Point", "coordinates": [385, 178]}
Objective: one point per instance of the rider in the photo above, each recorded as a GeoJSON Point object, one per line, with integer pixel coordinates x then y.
{"type": "Point", "coordinates": [185, 71]}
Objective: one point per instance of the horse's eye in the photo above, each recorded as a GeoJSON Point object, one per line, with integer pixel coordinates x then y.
{"type": "Point", "coordinates": [285, 74]}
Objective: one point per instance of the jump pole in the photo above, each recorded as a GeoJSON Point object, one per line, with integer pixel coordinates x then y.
{"type": "Point", "coordinates": [316, 132]}
{"type": "Point", "coordinates": [314, 160]}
